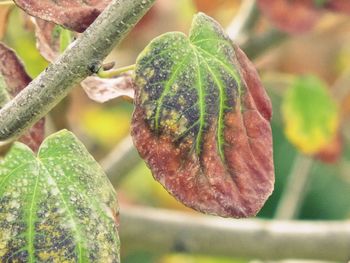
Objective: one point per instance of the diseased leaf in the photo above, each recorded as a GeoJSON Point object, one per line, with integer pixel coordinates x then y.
{"type": "Point", "coordinates": [56, 207]}
{"type": "Point", "coordinates": [14, 79]}
{"type": "Point", "coordinates": [310, 115]}
{"type": "Point", "coordinates": [76, 15]}
{"type": "Point", "coordinates": [290, 16]}
{"type": "Point", "coordinates": [103, 90]}
{"type": "Point", "coordinates": [52, 39]}
{"type": "Point", "coordinates": [202, 121]}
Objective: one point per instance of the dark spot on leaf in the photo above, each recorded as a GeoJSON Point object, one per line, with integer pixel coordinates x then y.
{"type": "Point", "coordinates": [202, 121]}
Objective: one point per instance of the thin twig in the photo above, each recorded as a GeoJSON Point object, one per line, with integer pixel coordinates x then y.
{"type": "Point", "coordinates": [243, 22]}
{"type": "Point", "coordinates": [257, 45]}
{"type": "Point", "coordinates": [6, 3]}
{"type": "Point", "coordinates": [82, 59]}
{"type": "Point", "coordinates": [163, 231]}
{"type": "Point", "coordinates": [120, 161]}
{"type": "Point", "coordinates": [295, 189]}
{"type": "Point", "coordinates": [112, 73]}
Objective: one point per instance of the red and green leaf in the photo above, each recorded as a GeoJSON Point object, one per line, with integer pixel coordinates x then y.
{"type": "Point", "coordinates": [202, 121]}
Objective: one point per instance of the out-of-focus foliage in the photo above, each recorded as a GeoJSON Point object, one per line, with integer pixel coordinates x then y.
{"type": "Point", "coordinates": [310, 114]}
{"type": "Point", "coordinates": [20, 37]}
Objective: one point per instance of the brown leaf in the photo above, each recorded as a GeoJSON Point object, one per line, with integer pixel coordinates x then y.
{"type": "Point", "coordinates": [332, 152]}
{"type": "Point", "coordinates": [16, 79]}
{"type": "Point", "coordinates": [48, 42]}
{"type": "Point", "coordinates": [4, 13]}
{"type": "Point", "coordinates": [290, 16]}
{"type": "Point", "coordinates": [76, 15]}
{"type": "Point", "coordinates": [103, 90]}
{"type": "Point", "coordinates": [229, 174]}
{"type": "Point", "coordinates": [338, 6]}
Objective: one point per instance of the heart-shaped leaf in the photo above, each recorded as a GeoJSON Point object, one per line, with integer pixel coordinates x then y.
{"type": "Point", "coordinates": [202, 121]}
{"type": "Point", "coordinates": [76, 15]}
{"type": "Point", "coordinates": [56, 207]}
{"type": "Point", "coordinates": [13, 78]}
{"type": "Point", "coordinates": [310, 115]}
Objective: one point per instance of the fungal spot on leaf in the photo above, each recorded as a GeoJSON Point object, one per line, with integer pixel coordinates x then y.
{"type": "Point", "coordinates": [57, 206]}
{"type": "Point", "coordinates": [202, 121]}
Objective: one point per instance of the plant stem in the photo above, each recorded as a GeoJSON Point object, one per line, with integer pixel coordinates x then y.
{"type": "Point", "coordinates": [164, 231]}
{"type": "Point", "coordinates": [295, 189]}
{"type": "Point", "coordinates": [244, 21]}
{"type": "Point", "coordinates": [114, 72]}
{"type": "Point", "coordinates": [255, 46]}
{"type": "Point", "coordinates": [6, 3]}
{"type": "Point", "coordinates": [82, 59]}
{"type": "Point", "coordinates": [120, 161]}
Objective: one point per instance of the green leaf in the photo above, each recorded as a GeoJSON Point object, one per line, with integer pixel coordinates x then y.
{"type": "Point", "coordinates": [310, 115]}
{"type": "Point", "coordinates": [202, 121]}
{"type": "Point", "coordinates": [56, 207]}
{"type": "Point", "coordinates": [189, 70]}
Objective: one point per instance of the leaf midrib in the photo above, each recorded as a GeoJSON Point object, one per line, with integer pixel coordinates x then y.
{"type": "Point", "coordinates": [76, 227]}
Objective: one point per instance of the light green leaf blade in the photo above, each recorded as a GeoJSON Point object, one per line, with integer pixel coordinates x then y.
{"type": "Point", "coordinates": [310, 114]}
{"type": "Point", "coordinates": [56, 207]}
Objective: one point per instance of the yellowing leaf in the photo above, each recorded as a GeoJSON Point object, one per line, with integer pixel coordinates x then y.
{"type": "Point", "coordinates": [310, 115]}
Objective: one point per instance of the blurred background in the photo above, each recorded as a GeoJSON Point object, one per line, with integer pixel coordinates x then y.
{"type": "Point", "coordinates": [306, 72]}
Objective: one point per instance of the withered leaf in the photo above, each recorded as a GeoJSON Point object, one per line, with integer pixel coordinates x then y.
{"type": "Point", "coordinates": [201, 121]}
{"type": "Point", "coordinates": [102, 90]}
{"type": "Point", "coordinates": [50, 38]}
{"type": "Point", "coordinates": [76, 15]}
{"type": "Point", "coordinates": [290, 16]}
{"type": "Point", "coordinates": [297, 16]}
{"type": "Point", "coordinates": [15, 78]}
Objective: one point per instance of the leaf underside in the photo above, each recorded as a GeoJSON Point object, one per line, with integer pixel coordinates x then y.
{"type": "Point", "coordinates": [49, 39]}
{"type": "Point", "coordinates": [202, 121]}
{"type": "Point", "coordinates": [13, 79]}
{"type": "Point", "coordinates": [76, 15]}
{"type": "Point", "coordinates": [57, 206]}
